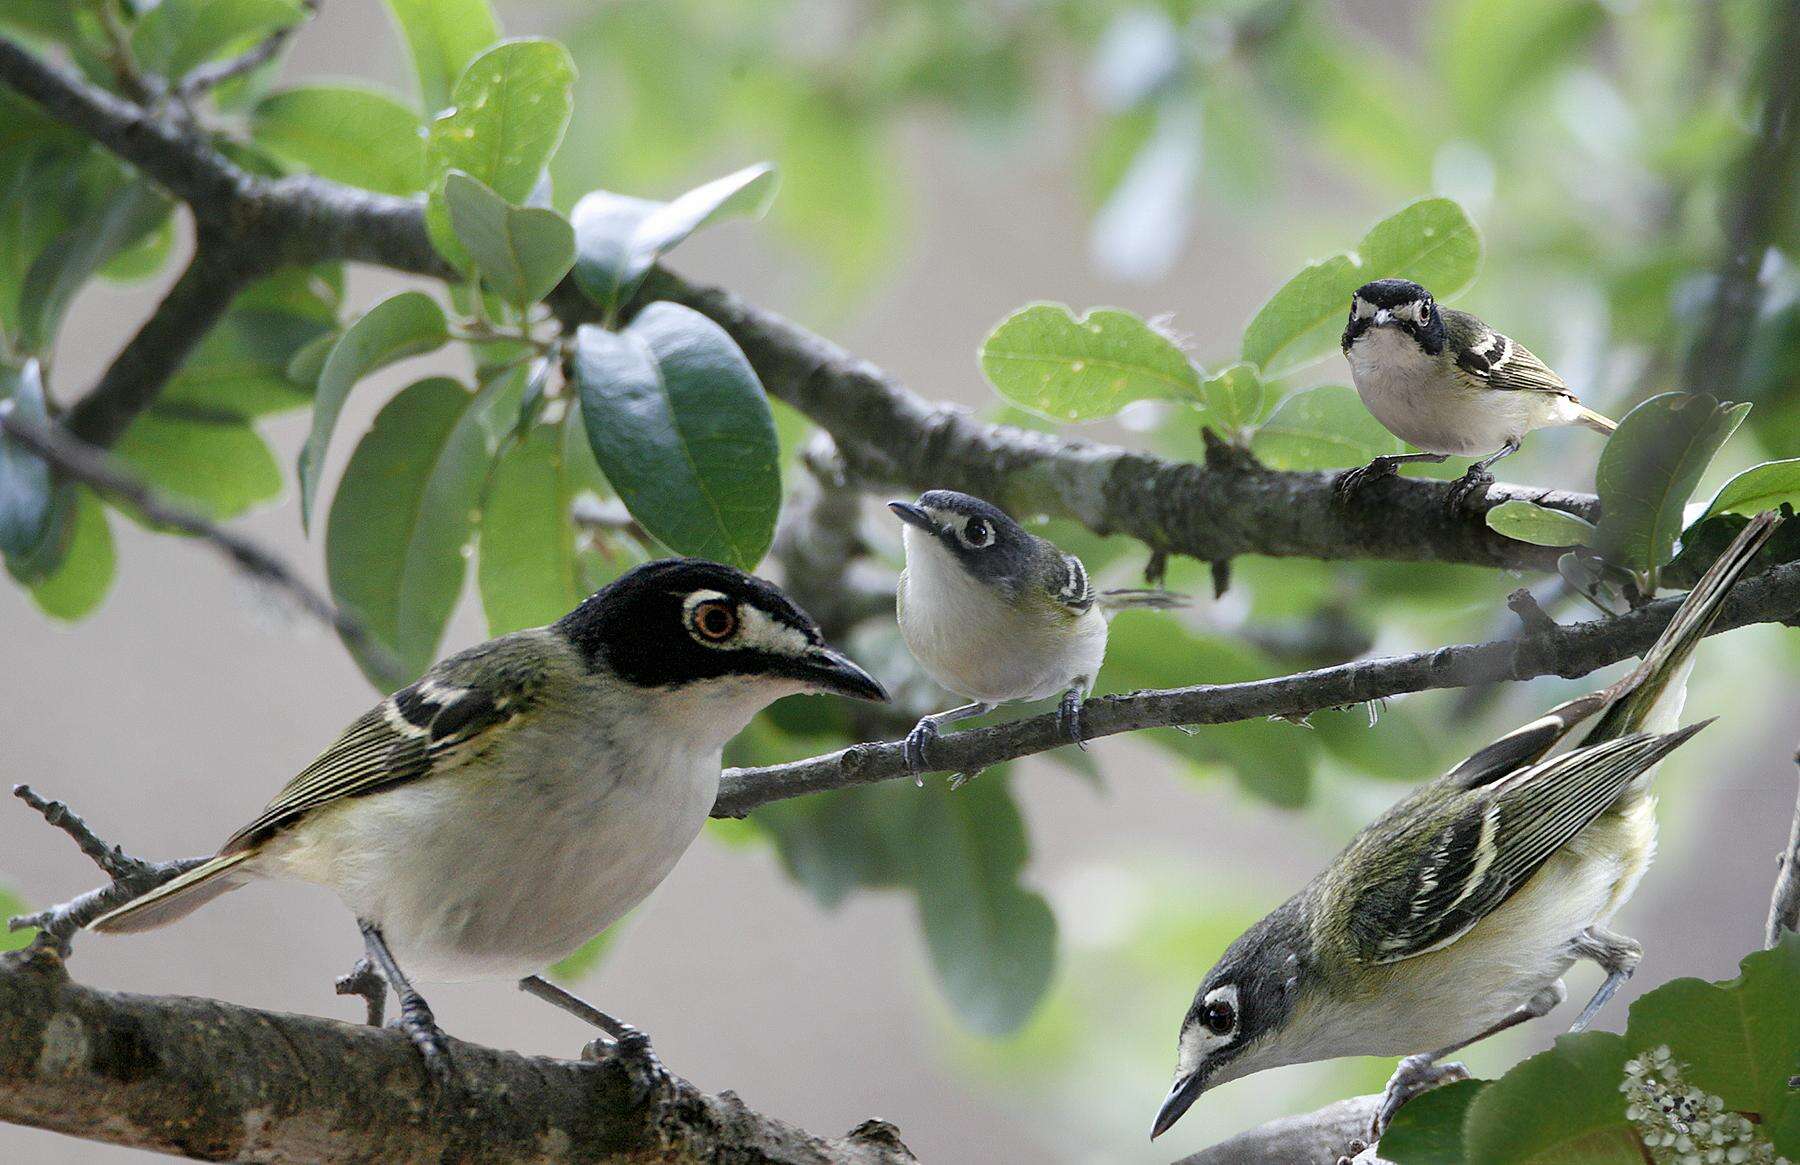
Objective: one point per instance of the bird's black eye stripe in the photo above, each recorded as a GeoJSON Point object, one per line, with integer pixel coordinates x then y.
{"type": "Point", "coordinates": [1219, 1017]}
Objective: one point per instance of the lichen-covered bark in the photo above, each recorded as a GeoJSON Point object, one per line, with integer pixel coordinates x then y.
{"type": "Point", "coordinates": [216, 1082]}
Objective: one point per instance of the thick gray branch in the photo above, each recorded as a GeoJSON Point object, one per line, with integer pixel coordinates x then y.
{"type": "Point", "coordinates": [1571, 650]}
{"type": "Point", "coordinates": [1316, 1138]}
{"type": "Point", "coordinates": [209, 1080]}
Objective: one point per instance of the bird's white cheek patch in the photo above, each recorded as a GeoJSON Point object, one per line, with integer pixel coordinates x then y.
{"type": "Point", "coordinates": [762, 633]}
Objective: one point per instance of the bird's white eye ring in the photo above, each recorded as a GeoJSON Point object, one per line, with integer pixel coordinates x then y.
{"type": "Point", "coordinates": [1424, 312]}
{"type": "Point", "coordinates": [977, 533]}
{"type": "Point", "coordinates": [713, 621]}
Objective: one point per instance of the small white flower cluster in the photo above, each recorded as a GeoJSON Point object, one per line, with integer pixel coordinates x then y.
{"type": "Point", "coordinates": [1682, 1125]}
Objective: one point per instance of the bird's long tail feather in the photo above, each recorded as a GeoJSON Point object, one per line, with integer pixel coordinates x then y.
{"type": "Point", "coordinates": [176, 898]}
{"type": "Point", "coordinates": [1649, 699]}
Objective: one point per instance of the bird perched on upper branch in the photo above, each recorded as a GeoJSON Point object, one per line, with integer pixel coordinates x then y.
{"type": "Point", "coordinates": [1456, 913]}
{"type": "Point", "coordinates": [1448, 384]}
{"type": "Point", "coordinates": [528, 792]}
{"type": "Point", "coordinates": [998, 615]}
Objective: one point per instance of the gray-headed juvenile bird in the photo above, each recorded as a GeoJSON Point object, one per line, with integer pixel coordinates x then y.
{"type": "Point", "coordinates": [526, 793]}
{"type": "Point", "coordinates": [998, 615]}
{"type": "Point", "coordinates": [1448, 384]}
{"type": "Point", "coordinates": [1456, 913]}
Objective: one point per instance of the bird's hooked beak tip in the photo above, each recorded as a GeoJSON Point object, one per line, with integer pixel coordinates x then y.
{"type": "Point", "coordinates": [1181, 1098]}
{"type": "Point", "coordinates": [913, 515]}
{"type": "Point", "coordinates": [829, 670]}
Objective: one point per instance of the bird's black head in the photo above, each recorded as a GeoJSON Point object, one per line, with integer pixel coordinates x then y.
{"type": "Point", "coordinates": [979, 535]}
{"type": "Point", "coordinates": [1400, 304]}
{"type": "Point", "coordinates": [1236, 1023]}
{"type": "Point", "coordinates": [686, 621]}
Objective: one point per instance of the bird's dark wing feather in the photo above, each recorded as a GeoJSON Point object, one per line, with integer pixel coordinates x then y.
{"type": "Point", "coordinates": [1485, 850]}
{"type": "Point", "coordinates": [422, 728]}
{"type": "Point", "coordinates": [1071, 586]}
{"type": "Point", "coordinates": [1494, 361]}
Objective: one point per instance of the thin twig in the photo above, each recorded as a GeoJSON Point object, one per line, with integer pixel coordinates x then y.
{"type": "Point", "coordinates": [1784, 903]}
{"type": "Point", "coordinates": [210, 76]}
{"type": "Point", "coordinates": [1570, 650]}
{"type": "Point", "coordinates": [93, 467]}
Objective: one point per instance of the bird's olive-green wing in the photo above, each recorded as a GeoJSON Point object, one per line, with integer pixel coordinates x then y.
{"type": "Point", "coordinates": [1493, 361]}
{"type": "Point", "coordinates": [458, 708]}
{"type": "Point", "coordinates": [1421, 891]}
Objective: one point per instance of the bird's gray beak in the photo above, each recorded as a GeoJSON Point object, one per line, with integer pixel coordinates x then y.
{"type": "Point", "coordinates": [913, 516]}
{"type": "Point", "coordinates": [1181, 1098]}
{"type": "Point", "coordinates": [1383, 317]}
{"type": "Point", "coordinates": [826, 670]}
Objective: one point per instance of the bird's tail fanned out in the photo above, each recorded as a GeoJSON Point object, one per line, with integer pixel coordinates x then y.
{"type": "Point", "coordinates": [1649, 698]}
{"type": "Point", "coordinates": [1598, 422]}
{"type": "Point", "coordinates": [176, 898]}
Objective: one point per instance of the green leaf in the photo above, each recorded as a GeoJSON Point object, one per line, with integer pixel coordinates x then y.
{"type": "Point", "coordinates": [1234, 397]}
{"type": "Point", "coordinates": [838, 842]}
{"type": "Point", "coordinates": [11, 904]}
{"type": "Point", "coordinates": [1561, 1107]}
{"type": "Point", "coordinates": [177, 35]}
{"type": "Point", "coordinates": [1431, 242]}
{"type": "Point", "coordinates": [620, 237]}
{"type": "Point", "coordinates": [79, 583]}
{"type": "Point", "coordinates": [1045, 359]}
{"type": "Point", "coordinates": [992, 942]}
{"type": "Point", "coordinates": [351, 134]}
{"type": "Point", "coordinates": [1322, 428]}
{"type": "Point", "coordinates": [1485, 74]}
{"type": "Point", "coordinates": [522, 252]}
{"type": "Point", "coordinates": [1761, 487]}
{"type": "Point", "coordinates": [509, 111]}
{"type": "Point", "coordinates": [679, 423]}
{"type": "Point", "coordinates": [241, 366]}
{"type": "Point", "coordinates": [1650, 467]}
{"type": "Point", "coordinates": [529, 572]}
{"type": "Point", "coordinates": [1740, 1040]}
{"type": "Point", "coordinates": [1428, 1130]}
{"type": "Point", "coordinates": [31, 533]}
{"type": "Point", "coordinates": [443, 36]}
{"type": "Point", "coordinates": [1525, 521]}
{"type": "Point", "coordinates": [402, 325]}
{"type": "Point", "coordinates": [127, 214]}
{"type": "Point", "coordinates": [400, 527]}
{"type": "Point", "coordinates": [214, 463]}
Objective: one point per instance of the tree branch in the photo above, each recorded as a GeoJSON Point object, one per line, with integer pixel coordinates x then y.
{"type": "Point", "coordinates": [1317, 1138]}
{"type": "Point", "coordinates": [1570, 650]}
{"type": "Point", "coordinates": [85, 463]}
{"type": "Point", "coordinates": [210, 1080]}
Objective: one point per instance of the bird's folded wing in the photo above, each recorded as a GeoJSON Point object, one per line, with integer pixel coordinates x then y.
{"type": "Point", "coordinates": [1071, 586]}
{"type": "Point", "coordinates": [421, 728]}
{"type": "Point", "coordinates": [1494, 361]}
{"type": "Point", "coordinates": [1490, 847]}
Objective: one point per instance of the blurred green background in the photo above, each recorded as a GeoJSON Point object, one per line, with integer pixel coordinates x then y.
{"type": "Point", "coordinates": [941, 164]}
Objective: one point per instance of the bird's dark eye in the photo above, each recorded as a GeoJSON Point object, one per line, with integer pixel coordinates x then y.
{"type": "Point", "coordinates": [978, 533]}
{"type": "Point", "coordinates": [1425, 313]}
{"type": "Point", "coordinates": [1219, 1017]}
{"type": "Point", "coordinates": [714, 620]}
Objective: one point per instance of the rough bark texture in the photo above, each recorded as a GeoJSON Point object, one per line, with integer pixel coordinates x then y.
{"type": "Point", "coordinates": [1316, 1138]}
{"type": "Point", "coordinates": [216, 1082]}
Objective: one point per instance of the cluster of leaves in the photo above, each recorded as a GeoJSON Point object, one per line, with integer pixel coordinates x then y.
{"type": "Point", "coordinates": [1735, 1040]}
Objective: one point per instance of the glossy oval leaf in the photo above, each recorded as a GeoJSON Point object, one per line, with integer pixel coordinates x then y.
{"type": "Point", "coordinates": [351, 134]}
{"type": "Point", "coordinates": [1322, 428]}
{"type": "Point", "coordinates": [176, 35]}
{"type": "Point", "coordinates": [26, 495]}
{"type": "Point", "coordinates": [508, 112]}
{"type": "Point", "coordinates": [1561, 1107]}
{"type": "Point", "coordinates": [521, 252]}
{"type": "Point", "coordinates": [1761, 487]}
{"type": "Point", "coordinates": [1044, 358]}
{"type": "Point", "coordinates": [1431, 242]}
{"type": "Point", "coordinates": [402, 325]}
{"type": "Point", "coordinates": [214, 463]}
{"type": "Point", "coordinates": [1525, 521]}
{"type": "Point", "coordinates": [1234, 397]}
{"type": "Point", "coordinates": [1428, 1129]}
{"type": "Point", "coordinates": [530, 572]}
{"type": "Point", "coordinates": [397, 539]}
{"type": "Point", "coordinates": [621, 238]}
{"type": "Point", "coordinates": [127, 213]}
{"type": "Point", "coordinates": [443, 36]}
{"type": "Point", "coordinates": [679, 423]}
{"type": "Point", "coordinates": [80, 582]}
{"type": "Point", "coordinates": [992, 941]}
{"type": "Point", "coordinates": [1649, 469]}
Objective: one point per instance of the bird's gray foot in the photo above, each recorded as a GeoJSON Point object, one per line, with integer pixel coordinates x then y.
{"type": "Point", "coordinates": [923, 733]}
{"type": "Point", "coordinates": [1469, 489]}
{"type": "Point", "coordinates": [421, 1028]}
{"type": "Point", "coordinates": [1068, 717]}
{"type": "Point", "coordinates": [622, 1043]}
{"type": "Point", "coordinates": [1617, 955]}
{"type": "Point", "coordinates": [1352, 480]}
{"type": "Point", "coordinates": [366, 981]}
{"type": "Point", "coordinates": [1415, 1075]}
